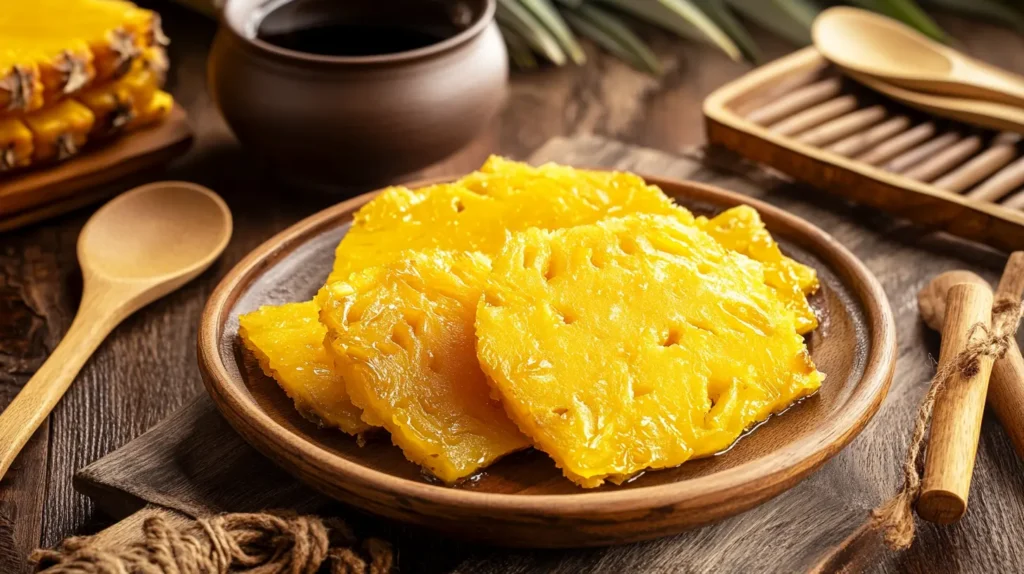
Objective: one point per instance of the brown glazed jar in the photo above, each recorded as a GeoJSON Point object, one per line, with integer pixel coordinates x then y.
{"type": "Point", "coordinates": [331, 121]}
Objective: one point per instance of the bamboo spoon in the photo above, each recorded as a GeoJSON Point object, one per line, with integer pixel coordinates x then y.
{"type": "Point", "coordinates": [1006, 386]}
{"type": "Point", "coordinates": [877, 46]}
{"type": "Point", "coordinates": [977, 112]}
{"type": "Point", "coordinates": [134, 250]}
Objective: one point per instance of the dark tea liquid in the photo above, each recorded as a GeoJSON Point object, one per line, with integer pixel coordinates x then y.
{"type": "Point", "coordinates": [344, 28]}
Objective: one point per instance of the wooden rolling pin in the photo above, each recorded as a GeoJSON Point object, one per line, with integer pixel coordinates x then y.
{"type": "Point", "coordinates": [956, 422]}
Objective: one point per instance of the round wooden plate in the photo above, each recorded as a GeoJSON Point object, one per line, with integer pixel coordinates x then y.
{"type": "Point", "coordinates": [523, 500]}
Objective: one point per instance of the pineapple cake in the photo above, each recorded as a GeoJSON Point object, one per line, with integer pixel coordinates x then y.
{"type": "Point", "coordinates": [635, 343]}
{"type": "Point", "coordinates": [403, 341]}
{"type": "Point", "coordinates": [288, 341]}
{"type": "Point", "coordinates": [96, 70]}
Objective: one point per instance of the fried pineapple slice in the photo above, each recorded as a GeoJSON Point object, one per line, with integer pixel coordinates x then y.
{"type": "Point", "coordinates": [635, 343]}
{"type": "Point", "coordinates": [742, 230]}
{"type": "Point", "coordinates": [288, 341]}
{"type": "Point", "coordinates": [476, 212]}
{"type": "Point", "coordinates": [403, 340]}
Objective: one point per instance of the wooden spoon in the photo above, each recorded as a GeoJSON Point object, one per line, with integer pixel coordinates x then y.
{"type": "Point", "coordinates": [134, 250]}
{"type": "Point", "coordinates": [878, 46]}
{"type": "Point", "coordinates": [980, 113]}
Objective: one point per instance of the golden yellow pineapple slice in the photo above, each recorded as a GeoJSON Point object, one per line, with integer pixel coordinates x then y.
{"type": "Point", "coordinates": [403, 340]}
{"type": "Point", "coordinates": [15, 144]}
{"type": "Point", "coordinates": [59, 131]}
{"type": "Point", "coordinates": [476, 212]}
{"type": "Point", "coordinates": [288, 341]}
{"type": "Point", "coordinates": [742, 230]}
{"type": "Point", "coordinates": [52, 48]}
{"type": "Point", "coordinates": [635, 343]}
{"type": "Point", "coordinates": [158, 108]}
{"type": "Point", "coordinates": [118, 103]}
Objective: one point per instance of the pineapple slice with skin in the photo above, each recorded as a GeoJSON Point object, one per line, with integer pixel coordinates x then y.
{"type": "Point", "coordinates": [118, 104]}
{"type": "Point", "coordinates": [742, 230]}
{"type": "Point", "coordinates": [476, 212]}
{"type": "Point", "coordinates": [157, 110]}
{"type": "Point", "coordinates": [288, 341]}
{"type": "Point", "coordinates": [403, 340]}
{"type": "Point", "coordinates": [635, 343]}
{"type": "Point", "coordinates": [53, 48]}
{"type": "Point", "coordinates": [15, 144]}
{"type": "Point", "coordinates": [59, 131]}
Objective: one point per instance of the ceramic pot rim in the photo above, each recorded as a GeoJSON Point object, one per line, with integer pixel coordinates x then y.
{"type": "Point", "coordinates": [237, 23]}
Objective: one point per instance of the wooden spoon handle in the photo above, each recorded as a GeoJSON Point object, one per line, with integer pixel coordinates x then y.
{"type": "Point", "coordinates": [956, 420]}
{"type": "Point", "coordinates": [33, 404]}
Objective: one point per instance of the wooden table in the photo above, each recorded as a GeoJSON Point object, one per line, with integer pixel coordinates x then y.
{"type": "Point", "coordinates": [146, 369]}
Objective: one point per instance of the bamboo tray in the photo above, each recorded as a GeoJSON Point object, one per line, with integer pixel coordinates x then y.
{"type": "Point", "coordinates": [801, 117]}
{"type": "Point", "coordinates": [50, 191]}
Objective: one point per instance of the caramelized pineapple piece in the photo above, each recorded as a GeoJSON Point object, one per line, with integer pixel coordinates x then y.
{"type": "Point", "coordinates": [288, 341]}
{"type": "Point", "coordinates": [402, 337]}
{"type": "Point", "coordinates": [476, 212]}
{"type": "Point", "coordinates": [15, 144]}
{"type": "Point", "coordinates": [742, 230]}
{"type": "Point", "coordinates": [53, 48]}
{"type": "Point", "coordinates": [635, 343]}
{"type": "Point", "coordinates": [59, 131]}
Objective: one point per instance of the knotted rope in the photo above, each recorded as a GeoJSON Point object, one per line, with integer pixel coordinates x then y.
{"type": "Point", "coordinates": [260, 543]}
{"type": "Point", "coordinates": [895, 517]}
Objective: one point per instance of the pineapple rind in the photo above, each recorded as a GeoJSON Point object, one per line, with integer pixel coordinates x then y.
{"type": "Point", "coordinates": [53, 48]}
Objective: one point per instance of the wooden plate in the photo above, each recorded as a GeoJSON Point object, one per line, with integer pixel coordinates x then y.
{"type": "Point", "coordinates": [523, 500]}
{"type": "Point", "coordinates": [38, 194]}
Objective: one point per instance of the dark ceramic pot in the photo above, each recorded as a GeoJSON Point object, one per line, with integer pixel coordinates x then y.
{"type": "Point", "coordinates": [338, 120]}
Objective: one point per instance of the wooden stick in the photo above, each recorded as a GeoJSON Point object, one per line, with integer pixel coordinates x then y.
{"type": "Point", "coordinates": [945, 160]}
{"type": "Point", "coordinates": [1015, 201]}
{"type": "Point", "coordinates": [956, 420]}
{"type": "Point", "coordinates": [986, 163]}
{"type": "Point", "coordinates": [1006, 389]}
{"type": "Point", "coordinates": [856, 143]}
{"type": "Point", "coordinates": [809, 118]}
{"type": "Point", "coordinates": [916, 155]}
{"type": "Point", "coordinates": [1006, 180]}
{"type": "Point", "coordinates": [799, 99]}
{"type": "Point", "coordinates": [842, 126]}
{"type": "Point", "coordinates": [899, 144]}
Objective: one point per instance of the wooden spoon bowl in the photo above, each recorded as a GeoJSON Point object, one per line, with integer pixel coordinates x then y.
{"type": "Point", "coordinates": [523, 500]}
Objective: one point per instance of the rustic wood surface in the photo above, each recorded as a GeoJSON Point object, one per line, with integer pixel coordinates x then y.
{"type": "Point", "coordinates": [166, 466]}
{"type": "Point", "coordinates": [146, 370]}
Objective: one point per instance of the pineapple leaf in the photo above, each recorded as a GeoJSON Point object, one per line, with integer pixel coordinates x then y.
{"type": "Point", "coordinates": [992, 10]}
{"type": "Point", "coordinates": [721, 14]}
{"type": "Point", "coordinates": [656, 13]}
{"type": "Point", "coordinates": [512, 15]}
{"type": "Point", "coordinates": [552, 20]}
{"type": "Point", "coordinates": [518, 49]}
{"type": "Point", "coordinates": [908, 12]}
{"type": "Point", "coordinates": [790, 19]}
{"type": "Point", "coordinates": [609, 32]}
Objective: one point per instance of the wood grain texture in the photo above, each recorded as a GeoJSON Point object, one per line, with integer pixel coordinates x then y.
{"type": "Point", "coordinates": [146, 370]}
{"type": "Point", "coordinates": [959, 406]}
{"type": "Point", "coordinates": [812, 517]}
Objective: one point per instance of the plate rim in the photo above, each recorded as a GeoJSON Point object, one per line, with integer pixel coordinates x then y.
{"type": "Point", "coordinates": [746, 485]}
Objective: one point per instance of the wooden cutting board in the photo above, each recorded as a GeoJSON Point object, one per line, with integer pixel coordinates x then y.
{"type": "Point", "coordinates": [194, 464]}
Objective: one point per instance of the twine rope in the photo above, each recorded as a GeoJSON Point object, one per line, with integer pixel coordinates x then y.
{"type": "Point", "coordinates": [895, 517]}
{"type": "Point", "coordinates": [259, 543]}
